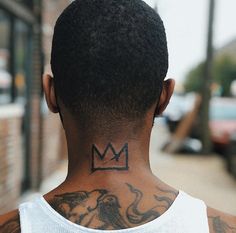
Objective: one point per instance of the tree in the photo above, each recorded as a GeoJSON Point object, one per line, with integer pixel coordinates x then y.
{"type": "Point", "coordinates": [193, 81]}
{"type": "Point", "coordinates": [224, 73]}
{"type": "Point", "coordinates": [206, 82]}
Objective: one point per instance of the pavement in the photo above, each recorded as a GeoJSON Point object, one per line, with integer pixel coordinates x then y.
{"type": "Point", "coordinates": [204, 177]}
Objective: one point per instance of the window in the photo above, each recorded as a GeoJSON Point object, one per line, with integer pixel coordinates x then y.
{"type": "Point", "coordinates": [14, 51]}
{"type": "Point", "coordinates": [20, 64]}
{"type": "Point", "coordinates": [5, 77]}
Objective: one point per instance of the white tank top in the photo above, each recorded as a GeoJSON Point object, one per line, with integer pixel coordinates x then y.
{"type": "Point", "coordinates": [186, 215]}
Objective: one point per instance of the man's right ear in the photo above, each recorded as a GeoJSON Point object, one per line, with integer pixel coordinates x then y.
{"type": "Point", "coordinates": [167, 91]}
{"type": "Point", "coordinates": [49, 91]}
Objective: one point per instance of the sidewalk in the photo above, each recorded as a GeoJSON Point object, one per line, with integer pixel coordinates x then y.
{"type": "Point", "coordinates": [200, 176]}
{"type": "Point", "coordinates": [204, 177]}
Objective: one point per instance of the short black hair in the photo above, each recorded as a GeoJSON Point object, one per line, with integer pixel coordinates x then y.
{"type": "Point", "coordinates": [109, 58]}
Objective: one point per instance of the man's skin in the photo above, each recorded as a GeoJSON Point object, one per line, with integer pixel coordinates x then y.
{"type": "Point", "coordinates": [126, 194]}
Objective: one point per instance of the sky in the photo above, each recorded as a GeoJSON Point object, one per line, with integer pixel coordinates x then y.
{"type": "Point", "coordinates": [186, 27]}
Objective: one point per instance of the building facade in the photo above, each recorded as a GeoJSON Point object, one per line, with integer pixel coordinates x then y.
{"type": "Point", "coordinates": [31, 139]}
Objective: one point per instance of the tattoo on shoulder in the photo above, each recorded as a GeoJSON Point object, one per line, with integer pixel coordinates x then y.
{"type": "Point", "coordinates": [220, 226]}
{"type": "Point", "coordinates": [110, 158]}
{"type": "Point", "coordinates": [135, 216]}
{"type": "Point", "coordinates": [85, 208]}
{"type": "Point", "coordinates": [11, 226]}
{"type": "Point", "coordinates": [100, 209]}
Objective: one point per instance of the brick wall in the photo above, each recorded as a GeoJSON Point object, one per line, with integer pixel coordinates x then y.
{"type": "Point", "coordinates": [46, 151]}
{"type": "Point", "coordinates": [10, 157]}
{"type": "Point", "coordinates": [53, 139]}
{"type": "Point", "coordinates": [46, 145]}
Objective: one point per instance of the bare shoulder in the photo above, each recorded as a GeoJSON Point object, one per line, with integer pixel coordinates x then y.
{"type": "Point", "coordinates": [220, 222]}
{"type": "Point", "coordinates": [10, 223]}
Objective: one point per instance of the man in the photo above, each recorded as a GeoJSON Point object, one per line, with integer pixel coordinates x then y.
{"type": "Point", "coordinates": [109, 61]}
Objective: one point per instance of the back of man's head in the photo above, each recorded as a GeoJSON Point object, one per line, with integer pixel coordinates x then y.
{"type": "Point", "coordinates": [109, 58]}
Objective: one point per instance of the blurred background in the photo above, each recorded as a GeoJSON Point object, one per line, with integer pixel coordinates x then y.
{"type": "Point", "coordinates": [193, 146]}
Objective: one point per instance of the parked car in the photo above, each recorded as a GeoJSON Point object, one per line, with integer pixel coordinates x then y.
{"type": "Point", "coordinates": [222, 122]}
{"type": "Point", "coordinates": [222, 119]}
{"type": "Point", "coordinates": [231, 156]}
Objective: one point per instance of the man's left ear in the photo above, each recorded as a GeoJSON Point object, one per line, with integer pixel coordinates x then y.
{"type": "Point", "coordinates": [49, 90]}
{"type": "Point", "coordinates": [167, 91]}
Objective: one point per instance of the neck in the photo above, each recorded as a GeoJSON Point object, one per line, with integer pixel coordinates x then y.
{"type": "Point", "coordinates": [94, 156]}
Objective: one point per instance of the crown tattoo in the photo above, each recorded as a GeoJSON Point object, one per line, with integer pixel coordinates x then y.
{"type": "Point", "coordinates": [110, 159]}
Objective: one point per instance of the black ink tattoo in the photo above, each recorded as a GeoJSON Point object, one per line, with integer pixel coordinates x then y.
{"type": "Point", "coordinates": [109, 213]}
{"type": "Point", "coordinates": [78, 205]}
{"type": "Point", "coordinates": [166, 199]}
{"type": "Point", "coordinates": [220, 226]}
{"type": "Point", "coordinates": [134, 215]}
{"type": "Point", "coordinates": [11, 226]}
{"type": "Point", "coordinates": [99, 209]}
{"type": "Point", "coordinates": [110, 159]}
{"type": "Point", "coordinates": [171, 192]}
{"type": "Point", "coordinates": [137, 217]}
{"type": "Point", "coordinates": [85, 208]}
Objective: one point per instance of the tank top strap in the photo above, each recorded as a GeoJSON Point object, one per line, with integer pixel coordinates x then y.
{"type": "Point", "coordinates": [193, 213]}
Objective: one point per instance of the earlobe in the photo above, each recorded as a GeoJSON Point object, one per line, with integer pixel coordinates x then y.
{"type": "Point", "coordinates": [167, 91]}
{"type": "Point", "coordinates": [49, 90]}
